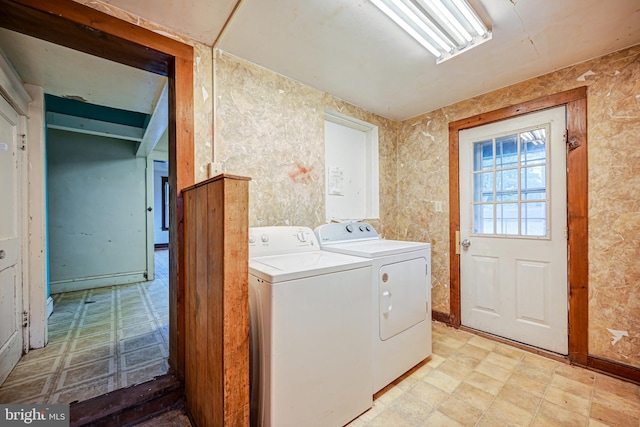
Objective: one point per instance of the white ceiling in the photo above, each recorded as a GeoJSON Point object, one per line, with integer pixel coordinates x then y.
{"type": "Point", "coordinates": [349, 49]}
{"type": "Point", "coordinates": [353, 51]}
{"type": "Point", "coordinates": [67, 73]}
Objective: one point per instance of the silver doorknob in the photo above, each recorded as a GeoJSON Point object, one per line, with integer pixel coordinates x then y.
{"type": "Point", "coordinates": [466, 243]}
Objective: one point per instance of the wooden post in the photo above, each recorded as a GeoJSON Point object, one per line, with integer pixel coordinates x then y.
{"type": "Point", "coordinates": [216, 228]}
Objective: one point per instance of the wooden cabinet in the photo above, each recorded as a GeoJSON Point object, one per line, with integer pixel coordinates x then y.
{"type": "Point", "coordinates": [217, 301]}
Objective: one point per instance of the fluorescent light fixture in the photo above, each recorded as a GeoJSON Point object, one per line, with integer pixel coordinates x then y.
{"type": "Point", "coordinates": [445, 28]}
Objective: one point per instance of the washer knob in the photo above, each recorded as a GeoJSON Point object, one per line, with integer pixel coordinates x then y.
{"type": "Point", "coordinates": [264, 238]}
{"type": "Point", "coordinates": [252, 239]}
{"type": "Point", "coordinates": [350, 228]}
{"type": "Point", "coordinates": [302, 236]}
{"type": "Point", "coordinates": [362, 228]}
{"type": "Point", "coordinates": [368, 227]}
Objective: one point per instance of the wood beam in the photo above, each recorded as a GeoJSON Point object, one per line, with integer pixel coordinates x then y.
{"type": "Point", "coordinates": [157, 125]}
{"type": "Point", "coordinates": [93, 127]}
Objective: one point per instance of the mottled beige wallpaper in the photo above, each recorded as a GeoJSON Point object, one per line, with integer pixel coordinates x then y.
{"type": "Point", "coordinates": [613, 99]}
{"type": "Point", "coordinates": [202, 83]}
{"type": "Point", "coordinates": [271, 128]}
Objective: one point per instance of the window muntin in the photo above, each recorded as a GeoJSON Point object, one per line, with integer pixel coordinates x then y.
{"type": "Point", "coordinates": [510, 184]}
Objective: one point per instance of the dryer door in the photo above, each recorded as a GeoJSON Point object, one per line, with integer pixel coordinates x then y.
{"type": "Point", "coordinates": [403, 296]}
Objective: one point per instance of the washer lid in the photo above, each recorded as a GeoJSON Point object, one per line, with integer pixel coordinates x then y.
{"type": "Point", "coordinates": [376, 248]}
{"type": "Point", "coordinates": [280, 268]}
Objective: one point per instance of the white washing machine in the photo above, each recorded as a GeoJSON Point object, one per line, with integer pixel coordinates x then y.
{"type": "Point", "coordinates": [310, 331]}
{"type": "Point", "coordinates": [401, 292]}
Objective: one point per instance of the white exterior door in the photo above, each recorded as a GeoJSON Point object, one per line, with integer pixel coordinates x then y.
{"type": "Point", "coordinates": [10, 241]}
{"type": "Point", "coordinates": [513, 218]}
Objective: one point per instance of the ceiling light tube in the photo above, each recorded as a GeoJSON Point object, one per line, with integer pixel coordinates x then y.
{"type": "Point", "coordinates": [446, 28]}
{"type": "Point", "coordinates": [413, 16]}
{"type": "Point", "coordinates": [444, 15]}
{"type": "Point", "coordinates": [405, 26]}
{"type": "Point", "coordinates": [471, 17]}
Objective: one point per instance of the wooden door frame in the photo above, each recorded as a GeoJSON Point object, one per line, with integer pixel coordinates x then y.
{"type": "Point", "coordinates": [575, 101]}
{"type": "Point", "coordinates": [70, 24]}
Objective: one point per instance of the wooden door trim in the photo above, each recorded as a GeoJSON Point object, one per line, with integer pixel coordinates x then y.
{"type": "Point", "coordinates": [82, 28]}
{"type": "Point", "coordinates": [575, 101]}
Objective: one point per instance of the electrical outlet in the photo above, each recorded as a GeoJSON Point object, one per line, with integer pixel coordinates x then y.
{"type": "Point", "coordinates": [437, 205]}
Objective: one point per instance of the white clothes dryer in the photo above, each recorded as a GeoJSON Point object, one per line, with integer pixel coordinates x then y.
{"type": "Point", "coordinates": [401, 291]}
{"type": "Point", "coordinates": [310, 331]}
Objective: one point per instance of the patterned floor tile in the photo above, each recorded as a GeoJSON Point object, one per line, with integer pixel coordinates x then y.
{"type": "Point", "coordinates": [90, 371]}
{"type": "Point", "coordinates": [26, 391]}
{"type": "Point", "coordinates": [144, 373]}
{"type": "Point", "coordinates": [507, 386]}
{"type": "Point", "coordinates": [77, 358]}
{"type": "Point", "coordinates": [84, 391]}
{"type": "Point", "coordinates": [99, 340]}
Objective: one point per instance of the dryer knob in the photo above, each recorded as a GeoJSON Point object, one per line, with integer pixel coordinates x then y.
{"type": "Point", "coordinates": [362, 228]}
{"type": "Point", "coordinates": [252, 239]}
{"type": "Point", "coordinates": [368, 227]}
{"type": "Point", "coordinates": [302, 236]}
{"type": "Point", "coordinates": [264, 238]}
{"type": "Point", "coordinates": [350, 228]}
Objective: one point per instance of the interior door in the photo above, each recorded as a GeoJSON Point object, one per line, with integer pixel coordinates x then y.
{"type": "Point", "coordinates": [10, 241]}
{"type": "Point", "coordinates": [513, 261]}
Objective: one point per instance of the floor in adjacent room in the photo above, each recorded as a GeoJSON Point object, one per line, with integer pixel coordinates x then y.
{"type": "Point", "coordinates": [100, 340]}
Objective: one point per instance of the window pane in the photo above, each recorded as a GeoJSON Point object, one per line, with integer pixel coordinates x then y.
{"type": "Point", "coordinates": [483, 187]}
{"type": "Point", "coordinates": [507, 196]}
{"type": "Point", "coordinates": [483, 219]}
{"type": "Point", "coordinates": [507, 218]}
{"type": "Point", "coordinates": [533, 182]}
{"type": "Point", "coordinates": [507, 180]}
{"type": "Point", "coordinates": [510, 184]}
{"type": "Point", "coordinates": [534, 219]}
{"type": "Point", "coordinates": [506, 151]}
{"type": "Point", "coordinates": [533, 146]}
{"type": "Point", "coordinates": [535, 195]}
{"type": "Point", "coordinates": [483, 155]}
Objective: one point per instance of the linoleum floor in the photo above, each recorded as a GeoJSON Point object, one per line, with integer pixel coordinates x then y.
{"type": "Point", "coordinates": [100, 340]}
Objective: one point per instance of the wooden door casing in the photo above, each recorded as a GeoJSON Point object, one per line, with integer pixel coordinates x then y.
{"type": "Point", "coordinates": [78, 27]}
{"type": "Point", "coordinates": [575, 101]}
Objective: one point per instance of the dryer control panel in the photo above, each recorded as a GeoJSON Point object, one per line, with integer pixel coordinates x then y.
{"type": "Point", "coordinates": [347, 231]}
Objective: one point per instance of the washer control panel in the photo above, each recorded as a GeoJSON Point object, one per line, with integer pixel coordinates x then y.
{"type": "Point", "coordinates": [281, 239]}
{"type": "Point", "coordinates": [348, 231]}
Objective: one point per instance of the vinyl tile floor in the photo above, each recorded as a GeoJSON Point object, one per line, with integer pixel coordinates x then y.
{"type": "Point", "coordinates": [474, 381]}
{"type": "Point", "coordinates": [100, 340]}
{"type": "Point", "coordinates": [470, 380]}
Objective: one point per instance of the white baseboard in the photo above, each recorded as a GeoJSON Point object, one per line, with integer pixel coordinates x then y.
{"type": "Point", "coordinates": [97, 282]}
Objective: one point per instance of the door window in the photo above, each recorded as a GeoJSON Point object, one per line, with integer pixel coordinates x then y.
{"type": "Point", "coordinates": [510, 185]}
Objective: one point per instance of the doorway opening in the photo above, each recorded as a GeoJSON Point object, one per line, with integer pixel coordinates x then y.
{"type": "Point", "coordinates": [87, 30]}
{"type": "Point", "coordinates": [108, 289]}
